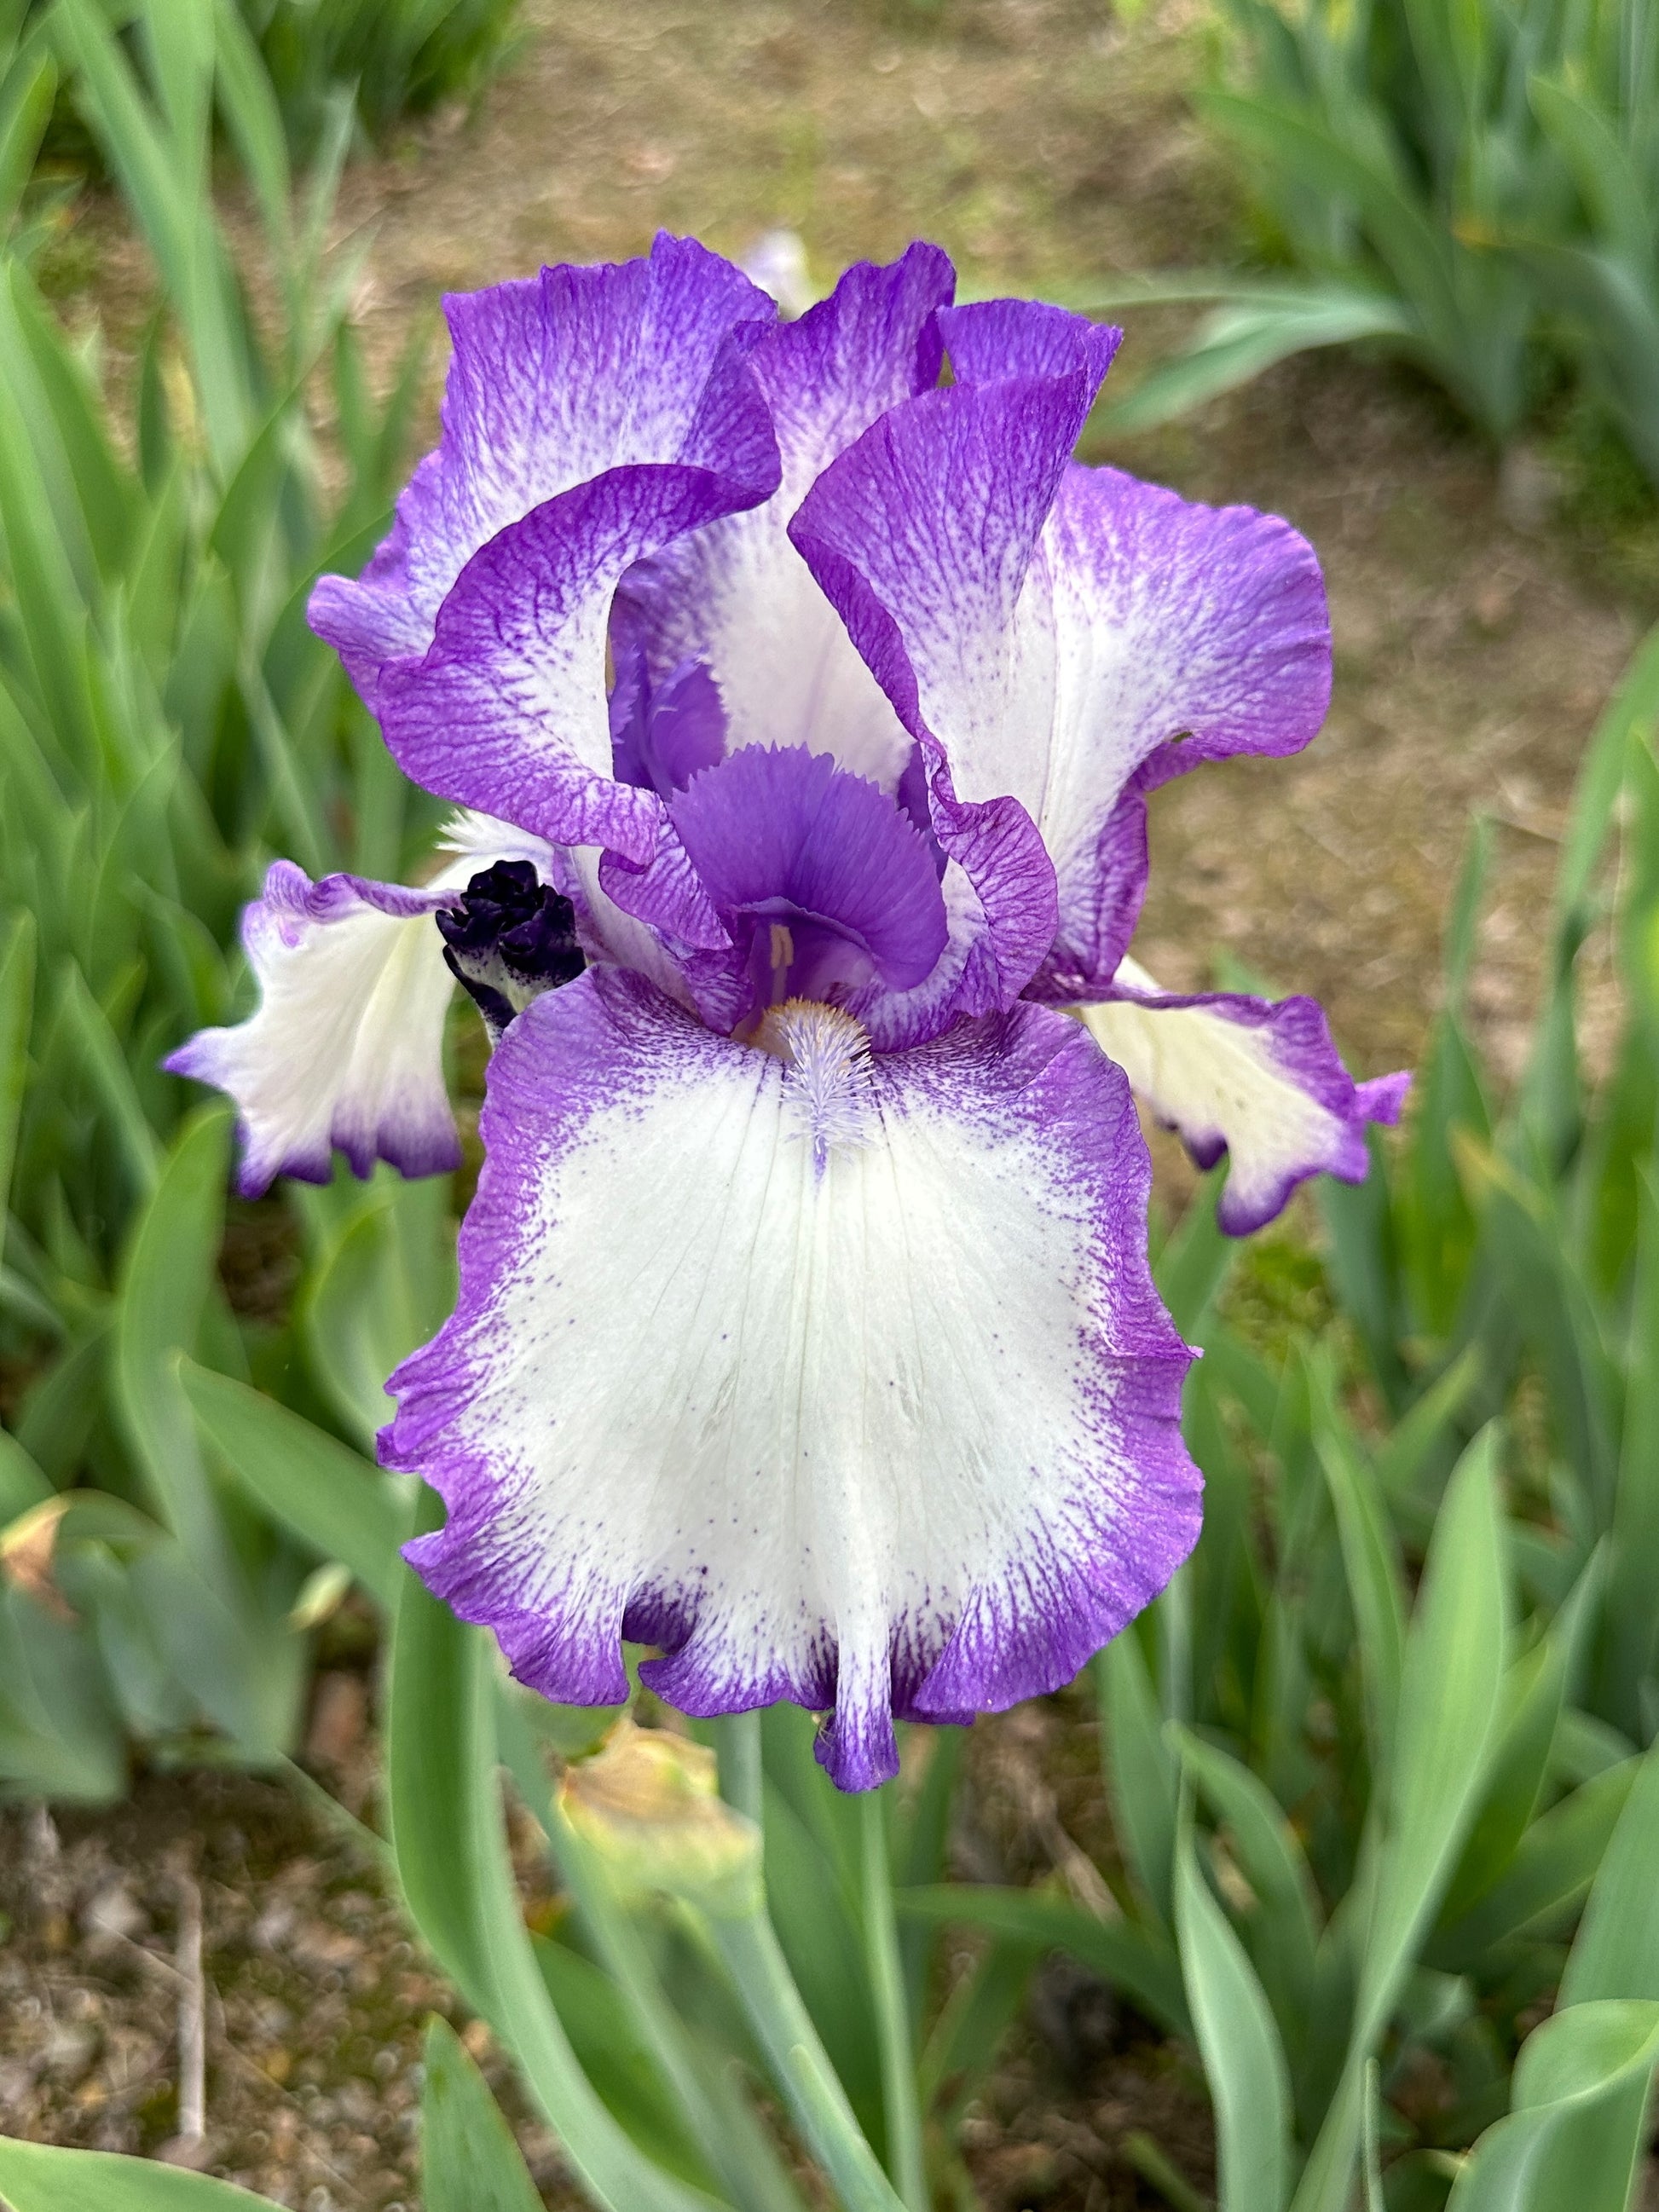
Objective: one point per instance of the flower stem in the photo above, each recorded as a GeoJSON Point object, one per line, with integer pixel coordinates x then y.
{"type": "Point", "coordinates": [800, 2063]}
{"type": "Point", "coordinates": [737, 2148]}
{"type": "Point", "coordinates": [900, 2103]}
{"type": "Point", "coordinates": [740, 1765]}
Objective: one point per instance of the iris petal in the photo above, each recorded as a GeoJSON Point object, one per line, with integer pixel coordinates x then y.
{"type": "Point", "coordinates": [782, 833]}
{"type": "Point", "coordinates": [895, 1434]}
{"type": "Point", "coordinates": [736, 595]}
{"type": "Point", "coordinates": [345, 1050]}
{"type": "Point", "coordinates": [1057, 636]}
{"type": "Point", "coordinates": [478, 634]}
{"type": "Point", "coordinates": [545, 392]}
{"type": "Point", "coordinates": [1259, 1079]}
{"type": "Point", "coordinates": [1175, 634]}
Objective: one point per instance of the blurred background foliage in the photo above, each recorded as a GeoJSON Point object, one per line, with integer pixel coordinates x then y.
{"type": "Point", "coordinates": [396, 57]}
{"type": "Point", "coordinates": [384, 60]}
{"type": "Point", "coordinates": [1383, 1803]}
{"type": "Point", "coordinates": [1474, 187]}
{"type": "Point", "coordinates": [167, 720]}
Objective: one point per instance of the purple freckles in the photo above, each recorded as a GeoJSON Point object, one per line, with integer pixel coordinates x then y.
{"type": "Point", "coordinates": [823, 882]}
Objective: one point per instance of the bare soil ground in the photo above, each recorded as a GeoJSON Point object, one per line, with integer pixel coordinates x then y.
{"type": "Point", "coordinates": [314, 2000]}
{"type": "Point", "coordinates": [1477, 633]}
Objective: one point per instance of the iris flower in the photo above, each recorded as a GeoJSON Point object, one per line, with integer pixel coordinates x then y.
{"type": "Point", "coordinates": [803, 697]}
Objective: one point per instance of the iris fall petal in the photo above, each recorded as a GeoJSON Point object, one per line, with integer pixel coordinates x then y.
{"type": "Point", "coordinates": [720, 1384]}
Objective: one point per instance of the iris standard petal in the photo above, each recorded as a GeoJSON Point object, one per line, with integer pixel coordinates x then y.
{"type": "Point", "coordinates": [554, 379]}
{"type": "Point", "coordinates": [1259, 1079]}
{"type": "Point", "coordinates": [345, 1050]}
{"type": "Point", "coordinates": [1178, 634]}
{"type": "Point", "coordinates": [837, 1377]}
{"type": "Point", "coordinates": [990, 341]}
{"type": "Point", "coordinates": [618, 399]}
{"type": "Point", "coordinates": [508, 709]}
{"type": "Point", "coordinates": [922, 534]}
{"type": "Point", "coordinates": [1068, 636]}
{"type": "Point", "coordinates": [663, 732]}
{"type": "Point", "coordinates": [736, 595]}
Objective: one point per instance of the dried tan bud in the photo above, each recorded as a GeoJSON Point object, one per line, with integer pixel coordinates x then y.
{"type": "Point", "coordinates": [27, 1549]}
{"type": "Point", "coordinates": [649, 1804]}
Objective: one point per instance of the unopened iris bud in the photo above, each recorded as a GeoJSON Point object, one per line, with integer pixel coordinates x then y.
{"type": "Point", "coordinates": [508, 937]}
{"type": "Point", "coordinates": [27, 1550]}
{"type": "Point", "coordinates": [648, 1805]}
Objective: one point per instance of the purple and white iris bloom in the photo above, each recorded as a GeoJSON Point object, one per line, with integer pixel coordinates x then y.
{"type": "Point", "coordinates": [805, 1330]}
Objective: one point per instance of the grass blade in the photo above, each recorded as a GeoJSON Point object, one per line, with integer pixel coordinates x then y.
{"type": "Point", "coordinates": [1243, 2058]}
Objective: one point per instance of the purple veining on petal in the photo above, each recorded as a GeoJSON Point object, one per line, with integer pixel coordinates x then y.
{"type": "Point", "coordinates": [663, 734]}
{"type": "Point", "coordinates": [922, 535]}
{"type": "Point", "coordinates": [1016, 1466]}
{"type": "Point", "coordinates": [989, 341]}
{"type": "Point", "coordinates": [508, 709]}
{"type": "Point", "coordinates": [1065, 637]}
{"type": "Point", "coordinates": [874, 342]}
{"type": "Point", "coordinates": [554, 379]}
{"type": "Point", "coordinates": [735, 595]}
{"type": "Point", "coordinates": [1182, 633]}
{"type": "Point", "coordinates": [626, 414]}
{"type": "Point", "coordinates": [822, 879]}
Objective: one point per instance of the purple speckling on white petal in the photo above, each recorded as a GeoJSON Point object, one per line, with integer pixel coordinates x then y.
{"type": "Point", "coordinates": [705, 1389]}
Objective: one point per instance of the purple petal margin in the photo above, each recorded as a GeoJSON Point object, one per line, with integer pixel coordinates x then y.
{"type": "Point", "coordinates": [1080, 1539]}
{"type": "Point", "coordinates": [508, 709]}
{"type": "Point", "coordinates": [1181, 633]}
{"type": "Point", "coordinates": [293, 1066]}
{"type": "Point", "coordinates": [554, 380]}
{"type": "Point", "coordinates": [1214, 1114]}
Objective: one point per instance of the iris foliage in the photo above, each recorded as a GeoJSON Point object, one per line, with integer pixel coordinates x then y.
{"type": "Point", "coordinates": [1377, 1763]}
{"type": "Point", "coordinates": [1472, 188]}
{"type": "Point", "coordinates": [380, 59]}
{"type": "Point", "coordinates": [1373, 1749]}
{"type": "Point", "coordinates": [164, 715]}
{"type": "Point", "coordinates": [398, 58]}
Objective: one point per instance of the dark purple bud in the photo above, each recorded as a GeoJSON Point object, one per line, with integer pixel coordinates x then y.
{"type": "Point", "coordinates": [507, 938]}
